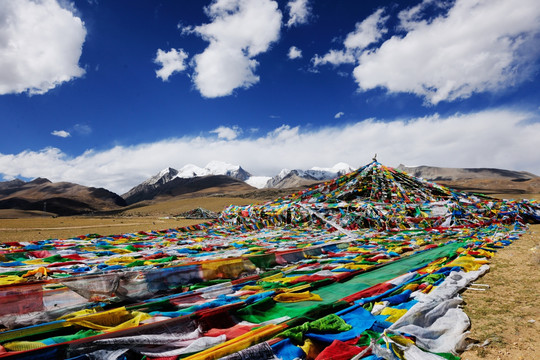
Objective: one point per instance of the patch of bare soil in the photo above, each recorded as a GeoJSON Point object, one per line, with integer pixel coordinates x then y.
{"type": "Point", "coordinates": [18, 214]}
{"type": "Point", "coordinates": [507, 315]}
{"type": "Point", "coordinates": [180, 205]}
{"type": "Point", "coordinates": [34, 229]}
{"type": "Point", "coordinates": [157, 216]}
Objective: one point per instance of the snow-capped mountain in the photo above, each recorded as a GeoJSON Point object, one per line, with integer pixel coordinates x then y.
{"type": "Point", "coordinates": [169, 179]}
{"type": "Point", "coordinates": [258, 182]}
{"type": "Point", "coordinates": [162, 177]}
{"type": "Point", "coordinates": [214, 168]}
{"type": "Point", "coordinates": [329, 173]}
{"type": "Point", "coordinates": [149, 185]}
{"type": "Point", "coordinates": [297, 177]}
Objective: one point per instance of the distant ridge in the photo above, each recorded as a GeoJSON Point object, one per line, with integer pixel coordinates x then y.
{"type": "Point", "coordinates": [434, 173]}
{"type": "Point", "coordinates": [294, 178]}
{"type": "Point", "coordinates": [62, 198]}
{"type": "Point", "coordinates": [170, 181]}
{"type": "Point", "coordinates": [214, 168]}
{"type": "Point", "coordinates": [209, 184]}
{"type": "Point", "coordinates": [220, 176]}
{"type": "Point", "coordinates": [484, 180]}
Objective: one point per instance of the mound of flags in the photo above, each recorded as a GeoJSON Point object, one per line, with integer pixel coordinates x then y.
{"type": "Point", "coordinates": [366, 266]}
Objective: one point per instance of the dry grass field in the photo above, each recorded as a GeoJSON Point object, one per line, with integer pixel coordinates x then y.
{"type": "Point", "coordinates": [505, 317]}
{"type": "Point", "coordinates": [507, 314]}
{"type": "Point", "coordinates": [150, 217]}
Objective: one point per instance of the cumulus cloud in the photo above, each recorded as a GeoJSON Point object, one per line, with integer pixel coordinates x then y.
{"type": "Point", "coordinates": [61, 133]}
{"type": "Point", "coordinates": [366, 33]}
{"type": "Point", "coordinates": [460, 140]}
{"type": "Point", "coordinates": [294, 53]}
{"type": "Point", "coordinates": [227, 133]}
{"type": "Point", "coordinates": [239, 30]}
{"type": "Point", "coordinates": [299, 12]}
{"type": "Point", "coordinates": [40, 45]}
{"type": "Point", "coordinates": [339, 114]}
{"type": "Point", "coordinates": [334, 57]}
{"type": "Point", "coordinates": [470, 47]}
{"type": "Point", "coordinates": [171, 61]}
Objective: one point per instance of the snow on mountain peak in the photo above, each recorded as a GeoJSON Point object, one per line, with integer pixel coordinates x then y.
{"type": "Point", "coordinates": [283, 173]}
{"type": "Point", "coordinates": [190, 170]}
{"type": "Point", "coordinates": [220, 168]}
{"type": "Point", "coordinates": [341, 166]}
{"type": "Point", "coordinates": [338, 168]}
{"type": "Point", "coordinates": [164, 176]}
{"type": "Point", "coordinates": [214, 168]}
{"type": "Point", "coordinates": [236, 171]}
{"type": "Point", "coordinates": [315, 173]}
{"type": "Point", "coordinates": [165, 171]}
{"type": "Point", "coordinates": [258, 182]}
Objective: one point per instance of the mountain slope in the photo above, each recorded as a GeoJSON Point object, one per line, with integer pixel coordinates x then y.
{"type": "Point", "coordinates": [293, 178]}
{"type": "Point", "coordinates": [214, 168]}
{"type": "Point", "coordinates": [210, 184]}
{"type": "Point", "coordinates": [144, 190]}
{"type": "Point", "coordinates": [484, 180]}
{"type": "Point", "coordinates": [62, 198]}
{"type": "Point", "coordinates": [434, 173]}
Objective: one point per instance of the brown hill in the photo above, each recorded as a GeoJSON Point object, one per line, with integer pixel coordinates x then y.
{"type": "Point", "coordinates": [62, 198]}
{"type": "Point", "coordinates": [495, 186]}
{"type": "Point", "coordinates": [434, 173]}
{"type": "Point", "coordinates": [291, 180]}
{"type": "Point", "coordinates": [484, 180]}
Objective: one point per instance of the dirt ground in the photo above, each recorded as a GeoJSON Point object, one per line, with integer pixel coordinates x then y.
{"type": "Point", "coordinates": [507, 315]}
{"type": "Point", "coordinates": [67, 227]}
{"type": "Point", "coordinates": [151, 217]}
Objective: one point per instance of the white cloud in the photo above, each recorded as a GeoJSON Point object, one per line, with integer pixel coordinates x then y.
{"type": "Point", "coordinates": [294, 53]}
{"type": "Point", "coordinates": [227, 133]}
{"type": "Point", "coordinates": [478, 46]}
{"type": "Point", "coordinates": [339, 114]}
{"type": "Point", "coordinates": [334, 57]}
{"type": "Point", "coordinates": [366, 33]}
{"type": "Point", "coordinates": [61, 133]}
{"type": "Point", "coordinates": [496, 138]}
{"type": "Point", "coordinates": [473, 46]}
{"type": "Point", "coordinates": [40, 46]}
{"type": "Point", "coordinates": [425, 12]}
{"type": "Point", "coordinates": [82, 129]}
{"type": "Point", "coordinates": [171, 62]}
{"type": "Point", "coordinates": [239, 31]}
{"type": "Point", "coordinates": [299, 12]}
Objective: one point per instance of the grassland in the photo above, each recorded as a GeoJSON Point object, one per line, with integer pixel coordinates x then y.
{"type": "Point", "coordinates": [156, 216]}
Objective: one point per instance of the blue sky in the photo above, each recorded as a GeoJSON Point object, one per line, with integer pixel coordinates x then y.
{"type": "Point", "coordinates": [107, 93]}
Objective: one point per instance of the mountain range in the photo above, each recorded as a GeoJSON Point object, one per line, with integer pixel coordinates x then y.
{"type": "Point", "coordinates": [191, 178]}
{"type": "Point", "coordinates": [483, 180]}
{"type": "Point", "coordinates": [60, 198]}
{"type": "Point", "coordinates": [194, 186]}
{"type": "Point", "coordinates": [219, 178]}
